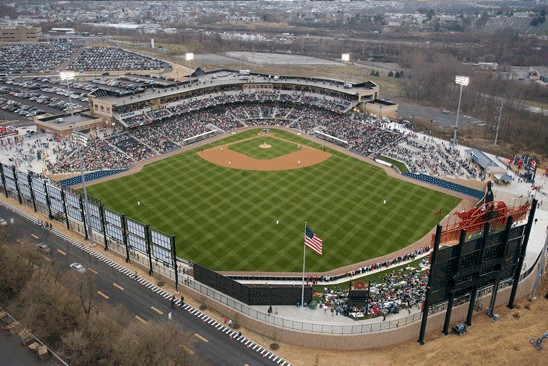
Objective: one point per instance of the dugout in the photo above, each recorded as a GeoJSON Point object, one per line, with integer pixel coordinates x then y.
{"type": "Point", "coordinates": [252, 294]}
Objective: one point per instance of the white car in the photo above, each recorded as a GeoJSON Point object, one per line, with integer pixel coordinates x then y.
{"type": "Point", "coordinates": [78, 267]}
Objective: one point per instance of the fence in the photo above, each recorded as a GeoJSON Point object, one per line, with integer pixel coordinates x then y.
{"type": "Point", "coordinates": [132, 239]}
{"type": "Point", "coordinates": [445, 184]}
{"type": "Point", "coordinates": [344, 329]}
{"type": "Point", "coordinates": [302, 326]}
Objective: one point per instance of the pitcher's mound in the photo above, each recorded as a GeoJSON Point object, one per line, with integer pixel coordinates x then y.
{"type": "Point", "coordinates": [265, 146]}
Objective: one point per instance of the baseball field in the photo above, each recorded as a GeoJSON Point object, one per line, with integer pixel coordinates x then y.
{"type": "Point", "coordinates": [241, 203]}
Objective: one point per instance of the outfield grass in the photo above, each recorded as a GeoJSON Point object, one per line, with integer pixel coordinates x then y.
{"type": "Point", "coordinates": [401, 166]}
{"type": "Point", "coordinates": [225, 218]}
{"type": "Point", "coordinates": [251, 148]}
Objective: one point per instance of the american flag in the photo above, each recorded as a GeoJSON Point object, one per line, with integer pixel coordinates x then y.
{"type": "Point", "coordinates": [312, 240]}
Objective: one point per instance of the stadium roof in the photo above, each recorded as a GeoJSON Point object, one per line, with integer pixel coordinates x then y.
{"type": "Point", "coordinates": [479, 157]}
{"type": "Point", "coordinates": [228, 77]}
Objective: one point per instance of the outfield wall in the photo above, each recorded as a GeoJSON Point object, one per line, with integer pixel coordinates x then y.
{"type": "Point", "coordinates": [380, 334]}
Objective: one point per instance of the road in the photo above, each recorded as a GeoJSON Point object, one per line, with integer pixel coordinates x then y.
{"type": "Point", "coordinates": [407, 111]}
{"type": "Point", "coordinates": [215, 343]}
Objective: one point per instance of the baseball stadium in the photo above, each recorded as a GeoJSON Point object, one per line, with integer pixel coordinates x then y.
{"type": "Point", "coordinates": [240, 203]}
{"type": "Point", "coordinates": [215, 181]}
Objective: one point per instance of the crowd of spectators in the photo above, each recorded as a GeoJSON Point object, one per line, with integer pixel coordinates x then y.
{"type": "Point", "coordinates": [113, 58]}
{"type": "Point", "coordinates": [98, 154]}
{"type": "Point", "coordinates": [434, 158]}
{"type": "Point", "coordinates": [399, 289]}
{"type": "Point", "coordinates": [259, 104]}
{"type": "Point", "coordinates": [130, 146]}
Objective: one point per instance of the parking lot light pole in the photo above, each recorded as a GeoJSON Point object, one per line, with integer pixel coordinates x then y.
{"type": "Point", "coordinates": [189, 56]}
{"type": "Point", "coordinates": [345, 57]}
{"type": "Point", "coordinates": [67, 76]}
{"type": "Point", "coordinates": [82, 139]}
{"type": "Point", "coordinates": [462, 81]}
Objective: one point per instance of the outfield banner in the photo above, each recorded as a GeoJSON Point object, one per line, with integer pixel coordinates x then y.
{"type": "Point", "coordinates": [161, 247]}
{"type": "Point", "coordinates": [95, 217]}
{"type": "Point", "coordinates": [8, 172]}
{"type": "Point", "coordinates": [55, 198]}
{"type": "Point", "coordinates": [136, 236]}
{"type": "Point", "coordinates": [23, 184]}
{"type": "Point", "coordinates": [39, 190]}
{"type": "Point", "coordinates": [113, 223]}
{"type": "Point", "coordinates": [137, 243]}
{"type": "Point", "coordinates": [73, 206]}
{"type": "Point", "coordinates": [10, 185]}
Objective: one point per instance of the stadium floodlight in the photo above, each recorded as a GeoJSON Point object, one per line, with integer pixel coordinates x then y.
{"type": "Point", "coordinates": [462, 81]}
{"type": "Point", "coordinates": [189, 56]}
{"type": "Point", "coordinates": [82, 140]}
{"type": "Point", "coordinates": [345, 57]}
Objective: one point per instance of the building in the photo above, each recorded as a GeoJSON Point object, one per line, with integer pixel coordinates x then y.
{"type": "Point", "coordinates": [20, 33]}
{"type": "Point", "coordinates": [539, 73]}
{"type": "Point", "coordinates": [116, 105]}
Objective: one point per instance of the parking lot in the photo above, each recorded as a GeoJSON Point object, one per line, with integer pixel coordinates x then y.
{"type": "Point", "coordinates": [24, 98]}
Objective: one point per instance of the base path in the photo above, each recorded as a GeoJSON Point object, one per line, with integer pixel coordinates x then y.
{"type": "Point", "coordinates": [305, 156]}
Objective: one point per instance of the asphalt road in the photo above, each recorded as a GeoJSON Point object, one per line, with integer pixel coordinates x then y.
{"type": "Point", "coordinates": [215, 343]}
{"type": "Point", "coordinates": [407, 111]}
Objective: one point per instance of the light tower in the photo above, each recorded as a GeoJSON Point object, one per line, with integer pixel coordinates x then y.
{"type": "Point", "coordinates": [462, 81]}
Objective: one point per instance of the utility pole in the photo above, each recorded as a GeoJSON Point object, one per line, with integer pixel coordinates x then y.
{"type": "Point", "coordinates": [498, 121]}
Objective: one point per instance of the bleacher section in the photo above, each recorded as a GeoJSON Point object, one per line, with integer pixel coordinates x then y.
{"type": "Point", "coordinates": [445, 184]}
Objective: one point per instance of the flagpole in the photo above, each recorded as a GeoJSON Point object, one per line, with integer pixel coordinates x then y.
{"type": "Point", "coordinates": [304, 261]}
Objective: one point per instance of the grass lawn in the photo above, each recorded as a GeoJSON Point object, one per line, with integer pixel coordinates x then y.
{"type": "Point", "coordinates": [401, 166]}
{"type": "Point", "coordinates": [251, 148]}
{"type": "Point", "coordinates": [374, 278]}
{"type": "Point", "coordinates": [225, 218]}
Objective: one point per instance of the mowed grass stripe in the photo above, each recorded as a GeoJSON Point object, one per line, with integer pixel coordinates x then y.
{"type": "Point", "coordinates": [225, 218]}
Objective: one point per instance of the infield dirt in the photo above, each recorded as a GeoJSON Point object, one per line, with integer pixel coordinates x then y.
{"type": "Point", "coordinates": [223, 156]}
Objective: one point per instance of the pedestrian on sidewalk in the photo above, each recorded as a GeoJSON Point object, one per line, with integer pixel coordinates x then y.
{"type": "Point", "coordinates": [173, 301]}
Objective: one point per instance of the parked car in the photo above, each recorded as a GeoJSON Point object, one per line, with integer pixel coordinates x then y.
{"type": "Point", "coordinates": [44, 248]}
{"type": "Point", "coordinates": [78, 267]}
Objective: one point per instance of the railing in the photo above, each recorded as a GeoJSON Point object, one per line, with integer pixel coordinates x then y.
{"type": "Point", "coordinates": [304, 326]}
{"type": "Point", "coordinates": [369, 327]}
{"type": "Point", "coordinates": [39, 341]}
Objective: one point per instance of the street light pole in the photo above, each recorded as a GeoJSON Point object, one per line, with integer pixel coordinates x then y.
{"type": "Point", "coordinates": [82, 139]}
{"type": "Point", "coordinates": [462, 81]}
{"type": "Point", "coordinates": [189, 56]}
{"type": "Point", "coordinates": [498, 123]}
{"type": "Point", "coordinates": [67, 76]}
{"type": "Point", "coordinates": [345, 57]}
